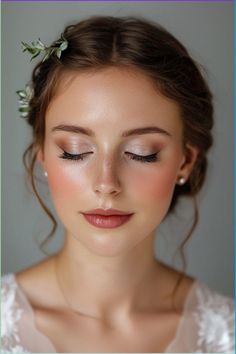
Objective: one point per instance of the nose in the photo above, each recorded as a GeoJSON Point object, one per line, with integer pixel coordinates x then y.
{"type": "Point", "coordinates": [107, 180]}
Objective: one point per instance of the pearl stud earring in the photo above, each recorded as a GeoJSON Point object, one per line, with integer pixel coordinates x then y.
{"type": "Point", "coordinates": [181, 180]}
{"type": "Point", "coordinates": [45, 173]}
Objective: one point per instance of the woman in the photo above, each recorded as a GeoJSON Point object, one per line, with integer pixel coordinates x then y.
{"type": "Point", "coordinates": [121, 119]}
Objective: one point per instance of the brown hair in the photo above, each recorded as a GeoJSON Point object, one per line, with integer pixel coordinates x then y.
{"type": "Point", "coordinates": [102, 41]}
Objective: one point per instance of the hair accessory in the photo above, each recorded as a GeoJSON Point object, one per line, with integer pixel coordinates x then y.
{"type": "Point", "coordinates": [181, 180]}
{"type": "Point", "coordinates": [36, 48]}
{"type": "Point", "coordinates": [24, 99]}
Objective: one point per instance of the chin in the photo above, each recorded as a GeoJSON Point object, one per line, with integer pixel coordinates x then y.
{"type": "Point", "coordinates": [107, 244]}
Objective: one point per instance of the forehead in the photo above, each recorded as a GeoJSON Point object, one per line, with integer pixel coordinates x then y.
{"type": "Point", "coordinates": [118, 97]}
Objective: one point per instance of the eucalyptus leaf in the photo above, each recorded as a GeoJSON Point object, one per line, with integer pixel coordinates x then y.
{"type": "Point", "coordinates": [26, 44]}
{"type": "Point", "coordinates": [35, 55]}
{"type": "Point", "coordinates": [58, 53]}
{"type": "Point", "coordinates": [40, 45]}
{"type": "Point", "coordinates": [23, 101]}
{"type": "Point", "coordinates": [47, 55]}
{"type": "Point", "coordinates": [27, 47]}
{"type": "Point", "coordinates": [24, 115]}
{"type": "Point", "coordinates": [29, 91]}
{"type": "Point", "coordinates": [24, 109]}
{"type": "Point", "coordinates": [21, 93]}
{"type": "Point", "coordinates": [64, 45]}
{"type": "Point", "coordinates": [23, 104]}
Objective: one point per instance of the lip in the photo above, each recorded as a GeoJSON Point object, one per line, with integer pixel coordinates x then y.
{"type": "Point", "coordinates": [107, 221]}
{"type": "Point", "coordinates": [106, 212]}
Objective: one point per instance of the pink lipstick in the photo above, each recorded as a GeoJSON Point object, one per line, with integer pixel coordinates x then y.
{"type": "Point", "coordinates": [107, 219]}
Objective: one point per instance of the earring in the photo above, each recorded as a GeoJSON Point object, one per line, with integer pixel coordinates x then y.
{"type": "Point", "coordinates": [45, 173]}
{"type": "Point", "coordinates": [181, 180]}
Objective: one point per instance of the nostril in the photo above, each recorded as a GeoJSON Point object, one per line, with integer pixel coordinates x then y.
{"type": "Point", "coordinates": [108, 188]}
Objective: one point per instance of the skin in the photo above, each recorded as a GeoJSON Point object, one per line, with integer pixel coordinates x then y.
{"type": "Point", "coordinates": [112, 275]}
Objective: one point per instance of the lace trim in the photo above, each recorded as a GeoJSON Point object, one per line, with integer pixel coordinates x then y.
{"type": "Point", "coordinates": [10, 316]}
{"type": "Point", "coordinates": [215, 321]}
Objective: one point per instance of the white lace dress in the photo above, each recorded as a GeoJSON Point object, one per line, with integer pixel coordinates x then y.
{"type": "Point", "coordinates": [206, 326]}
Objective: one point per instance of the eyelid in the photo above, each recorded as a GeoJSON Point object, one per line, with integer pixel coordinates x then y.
{"type": "Point", "coordinates": [140, 158]}
{"type": "Point", "coordinates": [126, 152]}
{"type": "Point", "coordinates": [141, 153]}
{"type": "Point", "coordinates": [73, 145]}
{"type": "Point", "coordinates": [74, 157]}
{"type": "Point", "coordinates": [75, 149]}
{"type": "Point", "coordinates": [143, 149]}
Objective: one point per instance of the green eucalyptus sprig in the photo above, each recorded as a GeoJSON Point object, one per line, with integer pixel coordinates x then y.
{"type": "Point", "coordinates": [38, 47]}
{"type": "Point", "coordinates": [24, 99]}
{"type": "Point", "coordinates": [35, 49]}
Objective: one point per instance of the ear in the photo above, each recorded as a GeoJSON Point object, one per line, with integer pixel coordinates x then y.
{"type": "Point", "coordinates": [189, 159]}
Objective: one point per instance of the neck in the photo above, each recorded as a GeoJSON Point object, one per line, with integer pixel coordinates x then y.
{"type": "Point", "coordinates": [102, 287]}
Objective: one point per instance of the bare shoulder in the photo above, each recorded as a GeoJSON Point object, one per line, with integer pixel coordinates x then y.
{"type": "Point", "coordinates": [37, 282]}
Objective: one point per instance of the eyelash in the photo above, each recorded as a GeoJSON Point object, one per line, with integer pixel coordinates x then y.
{"type": "Point", "coordinates": [148, 158]}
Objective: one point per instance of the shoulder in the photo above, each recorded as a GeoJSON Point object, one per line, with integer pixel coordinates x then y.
{"type": "Point", "coordinates": [11, 313]}
{"type": "Point", "coordinates": [36, 277]}
{"type": "Point", "coordinates": [213, 313]}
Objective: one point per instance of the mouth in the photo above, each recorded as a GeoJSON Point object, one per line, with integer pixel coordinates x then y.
{"type": "Point", "coordinates": [107, 221]}
{"type": "Point", "coordinates": [106, 212]}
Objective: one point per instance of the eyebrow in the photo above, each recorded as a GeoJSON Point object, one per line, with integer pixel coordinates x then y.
{"type": "Point", "coordinates": [86, 131]}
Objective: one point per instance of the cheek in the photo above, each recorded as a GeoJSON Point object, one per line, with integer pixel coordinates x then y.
{"type": "Point", "coordinates": [65, 183]}
{"type": "Point", "coordinates": [154, 186]}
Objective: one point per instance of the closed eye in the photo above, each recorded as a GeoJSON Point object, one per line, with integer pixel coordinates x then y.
{"type": "Point", "coordinates": [147, 158]}
{"type": "Point", "coordinates": [68, 156]}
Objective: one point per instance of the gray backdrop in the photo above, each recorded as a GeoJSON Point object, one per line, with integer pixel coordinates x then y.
{"type": "Point", "coordinates": [206, 29]}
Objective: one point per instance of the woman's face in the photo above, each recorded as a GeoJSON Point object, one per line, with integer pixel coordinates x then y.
{"type": "Point", "coordinates": [112, 106]}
